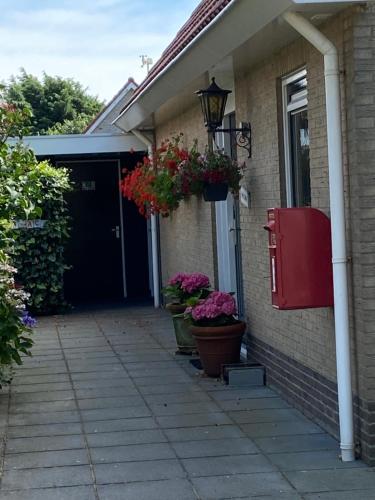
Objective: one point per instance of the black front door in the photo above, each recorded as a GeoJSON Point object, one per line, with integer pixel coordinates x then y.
{"type": "Point", "coordinates": [95, 247]}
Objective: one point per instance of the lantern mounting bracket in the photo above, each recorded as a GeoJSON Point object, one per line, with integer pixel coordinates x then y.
{"type": "Point", "coordinates": [242, 135]}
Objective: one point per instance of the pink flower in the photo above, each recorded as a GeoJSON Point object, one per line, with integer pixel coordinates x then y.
{"type": "Point", "coordinates": [195, 281]}
{"type": "Point", "coordinates": [177, 279]}
{"type": "Point", "coordinates": [217, 304]}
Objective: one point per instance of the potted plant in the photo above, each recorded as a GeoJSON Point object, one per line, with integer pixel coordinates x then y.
{"type": "Point", "coordinates": [219, 173]}
{"type": "Point", "coordinates": [216, 330]}
{"type": "Point", "coordinates": [181, 289]}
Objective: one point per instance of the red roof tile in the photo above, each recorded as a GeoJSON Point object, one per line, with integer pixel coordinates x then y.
{"type": "Point", "coordinates": [201, 17]}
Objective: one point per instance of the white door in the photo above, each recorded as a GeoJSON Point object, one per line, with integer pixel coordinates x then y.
{"type": "Point", "coordinates": [226, 245]}
{"type": "Point", "coordinates": [227, 230]}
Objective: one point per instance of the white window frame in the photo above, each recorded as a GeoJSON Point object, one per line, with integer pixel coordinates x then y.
{"type": "Point", "coordinates": [299, 105]}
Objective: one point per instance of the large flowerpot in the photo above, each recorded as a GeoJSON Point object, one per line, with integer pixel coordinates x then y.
{"type": "Point", "coordinates": [184, 338]}
{"type": "Point", "coordinates": [215, 192]}
{"type": "Point", "coordinates": [218, 345]}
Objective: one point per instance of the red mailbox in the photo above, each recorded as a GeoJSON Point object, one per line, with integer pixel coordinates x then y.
{"type": "Point", "coordinates": [300, 258]}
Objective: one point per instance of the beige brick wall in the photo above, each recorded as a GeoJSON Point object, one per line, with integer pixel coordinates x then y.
{"type": "Point", "coordinates": [306, 335]}
{"type": "Point", "coordinates": [360, 90]}
{"type": "Point", "coordinates": [186, 236]}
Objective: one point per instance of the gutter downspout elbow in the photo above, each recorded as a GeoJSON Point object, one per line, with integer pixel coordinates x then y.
{"type": "Point", "coordinates": [337, 207]}
{"type": "Point", "coordinates": [154, 229]}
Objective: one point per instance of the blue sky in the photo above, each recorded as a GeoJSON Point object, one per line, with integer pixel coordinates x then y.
{"type": "Point", "coordinates": [97, 42]}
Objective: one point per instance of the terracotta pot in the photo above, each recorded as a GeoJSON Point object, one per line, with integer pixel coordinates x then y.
{"type": "Point", "coordinates": [218, 345]}
{"type": "Point", "coordinates": [184, 339]}
{"type": "Point", "coordinates": [215, 192]}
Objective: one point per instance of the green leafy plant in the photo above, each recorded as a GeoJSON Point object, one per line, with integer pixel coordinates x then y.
{"type": "Point", "coordinates": [39, 252]}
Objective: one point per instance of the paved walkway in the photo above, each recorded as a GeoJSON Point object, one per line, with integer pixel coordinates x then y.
{"type": "Point", "coordinates": [105, 411]}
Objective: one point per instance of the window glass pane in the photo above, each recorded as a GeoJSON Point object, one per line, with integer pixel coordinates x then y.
{"type": "Point", "coordinates": [300, 156]}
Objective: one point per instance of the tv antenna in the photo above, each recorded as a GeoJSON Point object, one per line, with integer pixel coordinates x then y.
{"type": "Point", "coordinates": [146, 61]}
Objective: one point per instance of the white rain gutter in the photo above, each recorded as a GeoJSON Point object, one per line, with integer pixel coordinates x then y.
{"type": "Point", "coordinates": [154, 230]}
{"type": "Point", "coordinates": [337, 206]}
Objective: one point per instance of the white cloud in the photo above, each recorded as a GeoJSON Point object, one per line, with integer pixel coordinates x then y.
{"type": "Point", "coordinates": [97, 42]}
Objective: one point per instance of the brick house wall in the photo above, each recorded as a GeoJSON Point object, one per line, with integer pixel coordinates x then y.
{"type": "Point", "coordinates": [298, 347]}
{"type": "Point", "coordinates": [186, 236]}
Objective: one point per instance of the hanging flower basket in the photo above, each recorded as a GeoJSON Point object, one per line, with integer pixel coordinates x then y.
{"type": "Point", "coordinates": [215, 192]}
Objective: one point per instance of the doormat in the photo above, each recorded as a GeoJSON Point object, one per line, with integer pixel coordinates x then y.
{"type": "Point", "coordinates": [196, 363]}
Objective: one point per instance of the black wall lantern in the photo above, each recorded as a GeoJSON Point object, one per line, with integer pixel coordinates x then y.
{"type": "Point", "coordinates": [213, 100]}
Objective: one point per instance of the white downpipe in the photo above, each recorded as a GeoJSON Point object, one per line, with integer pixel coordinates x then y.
{"type": "Point", "coordinates": [337, 206]}
{"type": "Point", "coordinates": [154, 230]}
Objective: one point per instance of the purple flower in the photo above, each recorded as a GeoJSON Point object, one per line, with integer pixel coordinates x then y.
{"type": "Point", "coordinates": [27, 320]}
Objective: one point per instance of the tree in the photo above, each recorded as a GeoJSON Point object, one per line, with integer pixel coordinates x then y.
{"type": "Point", "coordinates": [57, 105]}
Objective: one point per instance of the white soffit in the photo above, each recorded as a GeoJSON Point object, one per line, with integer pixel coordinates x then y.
{"type": "Point", "coordinates": [129, 87]}
{"type": "Point", "coordinates": [53, 145]}
{"type": "Point", "coordinates": [239, 22]}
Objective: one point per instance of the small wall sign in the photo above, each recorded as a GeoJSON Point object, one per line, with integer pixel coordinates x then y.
{"type": "Point", "coordinates": [88, 185]}
{"type": "Point", "coordinates": [29, 224]}
{"type": "Point", "coordinates": [244, 197]}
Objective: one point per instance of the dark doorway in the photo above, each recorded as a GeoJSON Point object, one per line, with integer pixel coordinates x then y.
{"type": "Point", "coordinates": [95, 247]}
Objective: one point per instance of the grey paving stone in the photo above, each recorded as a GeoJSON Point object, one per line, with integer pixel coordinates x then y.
{"type": "Point", "coordinates": [183, 397]}
{"type": "Point", "coordinates": [132, 453]}
{"type": "Point", "coordinates": [126, 437]}
{"type": "Point", "coordinates": [343, 495]}
{"type": "Point", "coordinates": [19, 431]}
{"type": "Point", "coordinates": [71, 354]}
{"type": "Point", "coordinates": [40, 380]}
{"type": "Point", "coordinates": [36, 373]}
{"type": "Point", "coordinates": [22, 445]}
{"type": "Point", "coordinates": [277, 496]}
{"type": "Point", "coordinates": [328, 459]}
{"type": "Point", "coordinates": [205, 432]}
{"type": "Point", "coordinates": [173, 489]}
{"type": "Point", "coordinates": [266, 415]}
{"type": "Point", "coordinates": [26, 479]}
{"type": "Point", "coordinates": [48, 387]}
{"type": "Point", "coordinates": [115, 402]}
{"type": "Point", "coordinates": [45, 418]}
{"type": "Point", "coordinates": [43, 407]}
{"type": "Point", "coordinates": [105, 392]}
{"type": "Point", "coordinates": [67, 493]}
{"type": "Point", "coordinates": [286, 444]}
{"type": "Point", "coordinates": [46, 459]}
{"type": "Point", "coordinates": [228, 393]}
{"type": "Point", "coordinates": [332, 480]}
{"type": "Point", "coordinates": [173, 371]}
{"type": "Point", "coordinates": [193, 420]}
{"type": "Point", "coordinates": [143, 357]}
{"type": "Point", "coordinates": [163, 379]}
{"type": "Point", "coordinates": [215, 488]}
{"type": "Point", "coordinates": [114, 368]}
{"type": "Point", "coordinates": [214, 448]}
{"type": "Point", "coordinates": [114, 413]}
{"type": "Point", "coordinates": [100, 375]}
{"type": "Point", "coordinates": [293, 428]}
{"type": "Point", "coordinates": [155, 365]}
{"type": "Point", "coordinates": [106, 382]}
{"type": "Point", "coordinates": [184, 408]}
{"type": "Point", "coordinates": [42, 396]}
{"type": "Point", "coordinates": [234, 407]}
{"type": "Point", "coordinates": [168, 388]}
{"type": "Point", "coordinates": [227, 465]}
{"type": "Point", "coordinates": [124, 424]}
{"type": "Point", "coordinates": [127, 472]}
